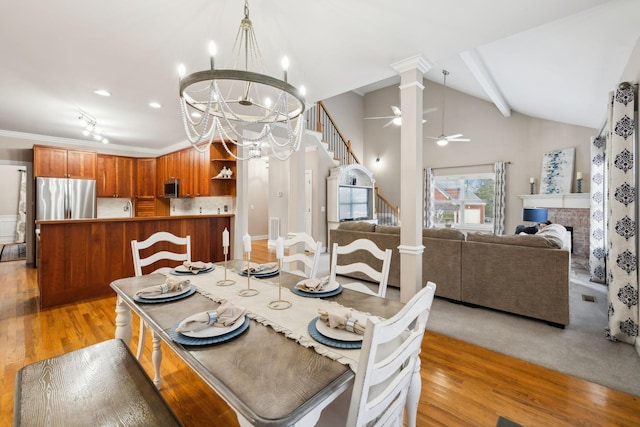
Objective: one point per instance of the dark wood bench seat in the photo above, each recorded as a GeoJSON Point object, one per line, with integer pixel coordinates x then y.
{"type": "Point", "coordinates": [102, 384]}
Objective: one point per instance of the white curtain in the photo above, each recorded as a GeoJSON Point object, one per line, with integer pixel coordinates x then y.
{"type": "Point", "coordinates": [22, 208]}
{"type": "Point", "coordinates": [622, 257]}
{"type": "Point", "coordinates": [598, 220]}
{"type": "Point", "coordinates": [429, 219]}
{"type": "Point", "coordinates": [499, 194]}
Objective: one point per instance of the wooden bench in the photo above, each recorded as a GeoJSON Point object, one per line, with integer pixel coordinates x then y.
{"type": "Point", "coordinates": [102, 384]}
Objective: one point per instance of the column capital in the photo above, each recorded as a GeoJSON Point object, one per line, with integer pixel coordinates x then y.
{"type": "Point", "coordinates": [418, 62]}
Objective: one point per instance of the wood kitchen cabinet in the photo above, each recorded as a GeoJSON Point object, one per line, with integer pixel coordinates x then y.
{"type": "Point", "coordinates": [58, 162]}
{"type": "Point", "coordinates": [114, 176]}
{"type": "Point", "coordinates": [145, 188]}
{"type": "Point", "coordinates": [167, 167]}
{"type": "Point", "coordinates": [194, 173]}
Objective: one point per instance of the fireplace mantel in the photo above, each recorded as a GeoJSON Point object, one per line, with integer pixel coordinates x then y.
{"type": "Point", "coordinates": [566, 200]}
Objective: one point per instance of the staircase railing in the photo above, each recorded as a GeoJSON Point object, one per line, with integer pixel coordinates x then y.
{"type": "Point", "coordinates": [388, 214]}
{"type": "Point", "coordinates": [317, 118]}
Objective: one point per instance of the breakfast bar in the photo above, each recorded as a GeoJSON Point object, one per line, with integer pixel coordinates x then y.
{"type": "Point", "coordinates": [79, 258]}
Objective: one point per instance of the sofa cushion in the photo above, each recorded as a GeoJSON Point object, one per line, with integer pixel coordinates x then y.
{"type": "Point", "coordinates": [443, 233]}
{"type": "Point", "coordinates": [387, 229]}
{"type": "Point", "coordinates": [554, 233]}
{"type": "Point", "coordinates": [357, 226]}
{"type": "Point", "coordinates": [532, 240]}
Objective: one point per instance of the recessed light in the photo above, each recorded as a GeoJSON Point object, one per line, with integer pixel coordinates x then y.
{"type": "Point", "coordinates": [102, 92]}
{"type": "Point", "coordinates": [155, 105]}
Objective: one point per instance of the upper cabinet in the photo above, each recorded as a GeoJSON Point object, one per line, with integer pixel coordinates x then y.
{"type": "Point", "coordinates": [63, 163]}
{"type": "Point", "coordinates": [221, 159]}
{"type": "Point", "coordinates": [145, 178]}
{"type": "Point", "coordinates": [115, 176]}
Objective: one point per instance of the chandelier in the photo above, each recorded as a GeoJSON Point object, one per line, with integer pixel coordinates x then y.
{"type": "Point", "coordinates": [242, 106]}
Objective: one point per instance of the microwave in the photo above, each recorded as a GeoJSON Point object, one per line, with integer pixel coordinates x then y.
{"type": "Point", "coordinates": [172, 188]}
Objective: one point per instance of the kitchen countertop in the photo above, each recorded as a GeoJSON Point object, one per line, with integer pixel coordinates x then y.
{"type": "Point", "coordinates": [134, 219]}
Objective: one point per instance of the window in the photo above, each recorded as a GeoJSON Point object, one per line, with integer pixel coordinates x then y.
{"type": "Point", "coordinates": [354, 203]}
{"type": "Point", "coordinates": [464, 201]}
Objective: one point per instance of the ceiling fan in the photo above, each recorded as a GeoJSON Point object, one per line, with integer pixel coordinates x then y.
{"type": "Point", "coordinates": [396, 119]}
{"type": "Point", "coordinates": [443, 139]}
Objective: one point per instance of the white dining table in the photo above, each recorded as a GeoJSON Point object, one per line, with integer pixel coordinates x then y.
{"type": "Point", "coordinates": [272, 374]}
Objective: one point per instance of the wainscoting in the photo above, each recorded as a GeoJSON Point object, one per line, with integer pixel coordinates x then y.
{"type": "Point", "coordinates": [8, 228]}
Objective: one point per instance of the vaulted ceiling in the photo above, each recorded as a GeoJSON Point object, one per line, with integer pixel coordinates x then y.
{"type": "Point", "coordinates": [550, 59]}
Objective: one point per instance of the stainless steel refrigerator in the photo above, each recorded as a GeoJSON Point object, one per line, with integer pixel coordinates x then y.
{"type": "Point", "coordinates": [63, 198]}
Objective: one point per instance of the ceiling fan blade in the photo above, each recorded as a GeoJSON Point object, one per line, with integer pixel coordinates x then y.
{"type": "Point", "coordinates": [396, 110]}
{"type": "Point", "coordinates": [459, 139]}
{"type": "Point", "coordinates": [457, 135]}
{"type": "Point", "coordinates": [430, 110]}
{"type": "Point", "coordinates": [381, 117]}
{"type": "Point", "coordinates": [389, 123]}
{"type": "Point", "coordinates": [433, 137]}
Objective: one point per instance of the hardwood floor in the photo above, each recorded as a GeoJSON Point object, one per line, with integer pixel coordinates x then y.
{"type": "Point", "coordinates": [463, 385]}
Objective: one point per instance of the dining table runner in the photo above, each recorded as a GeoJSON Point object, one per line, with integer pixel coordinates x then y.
{"type": "Point", "coordinates": [293, 322]}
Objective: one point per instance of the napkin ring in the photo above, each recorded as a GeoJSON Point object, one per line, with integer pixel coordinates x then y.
{"type": "Point", "coordinates": [350, 325]}
{"type": "Point", "coordinates": [164, 288]}
{"type": "Point", "coordinates": [213, 316]}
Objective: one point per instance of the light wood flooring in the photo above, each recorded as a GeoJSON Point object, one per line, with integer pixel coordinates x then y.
{"type": "Point", "coordinates": [462, 384]}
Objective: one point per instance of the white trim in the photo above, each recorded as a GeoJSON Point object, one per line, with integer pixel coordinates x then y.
{"type": "Point", "coordinates": [411, 250]}
{"type": "Point", "coordinates": [473, 61]}
{"type": "Point", "coordinates": [416, 61]}
{"type": "Point", "coordinates": [567, 200]}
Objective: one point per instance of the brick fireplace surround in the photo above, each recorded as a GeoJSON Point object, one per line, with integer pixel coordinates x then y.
{"type": "Point", "coordinates": [577, 218]}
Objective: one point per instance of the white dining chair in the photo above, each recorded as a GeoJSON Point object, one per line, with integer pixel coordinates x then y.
{"type": "Point", "coordinates": [387, 381]}
{"type": "Point", "coordinates": [370, 249]}
{"type": "Point", "coordinates": [310, 261]}
{"type": "Point", "coordinates": [138, 247]}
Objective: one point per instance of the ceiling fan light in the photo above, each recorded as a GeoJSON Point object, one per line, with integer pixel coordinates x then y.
{"type": "Point", "coordinates": [397, 121]}
{"type": "Point", "coordinates": [442, 142]}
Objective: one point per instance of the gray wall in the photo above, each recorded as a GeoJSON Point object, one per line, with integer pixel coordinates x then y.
{"type": "Point", "coordinates": [519, 139]}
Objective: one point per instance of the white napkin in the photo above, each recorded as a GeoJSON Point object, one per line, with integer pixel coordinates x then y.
{"type": "Point", "coordinates": [257, 268]}
{"type": "Point", "coordinates": [196, 266]}
{"type": "Point", "coordinates": [226, 315]}
{"type": "Point", "coordinates": [312, 285]}
{"type": "Point", "coordinates": [342, 318]}
{"type": "Point", "coordinates": [169, 285]}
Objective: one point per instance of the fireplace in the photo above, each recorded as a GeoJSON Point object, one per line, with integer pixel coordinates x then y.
{"type": "Point", "coordinates": [569, 210]}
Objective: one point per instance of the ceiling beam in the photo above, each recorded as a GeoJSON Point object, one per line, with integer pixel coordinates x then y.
{"type": "Point", "coordinates": [482, 75]}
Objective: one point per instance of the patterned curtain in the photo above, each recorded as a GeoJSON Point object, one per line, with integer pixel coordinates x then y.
{"type": "Point", "coordinates": [22, 208]}
{"type": "Point", "coordinates": [499, 192]}
{"type": "Point", "coordinates": [597, 224]}
{"type": "Point", "coordinates": [429, 218]}
{"type": "Point", "coordinates": [622, 257]}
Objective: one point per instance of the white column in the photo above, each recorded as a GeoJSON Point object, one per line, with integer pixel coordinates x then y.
{"type": "Point", "coordinates": [411, 72]}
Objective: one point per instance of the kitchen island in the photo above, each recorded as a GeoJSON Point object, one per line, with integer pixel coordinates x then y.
{"type": "Point", "coordinates": [78, 259]}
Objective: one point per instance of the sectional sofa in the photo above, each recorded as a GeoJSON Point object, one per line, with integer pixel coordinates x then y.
{"type": "Point", "coordinates": [526, 275]}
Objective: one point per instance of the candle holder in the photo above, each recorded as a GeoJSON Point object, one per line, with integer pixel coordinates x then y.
{"type": "Point", "coordinates": [226, 282]}
{"type": "Point", "coordinates": [279, 304]}
{"type": "Point", "coordinates": [579, 186]}
{"type": "Point", "coordinates": [532, 187]}
{"type": "Point", "coordinates": [249, 292]}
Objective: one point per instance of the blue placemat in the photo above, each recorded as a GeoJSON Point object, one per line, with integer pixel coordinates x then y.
{"type": "Point", "coordinates": [157, 300]}
{"type": "Point", "coordinates": [185, 340]}
{"type": "Point", "coordinates": [260, 275]}
{"type": "Point", "coordinates": [188, 273]}
{"type": "Point", "coordinates": [316, 294]}
{"type": "Point", "coordinates": [313, 331]}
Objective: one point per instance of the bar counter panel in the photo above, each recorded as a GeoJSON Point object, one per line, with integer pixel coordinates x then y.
{"type": "Point", "coordinates": [80, 258]}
